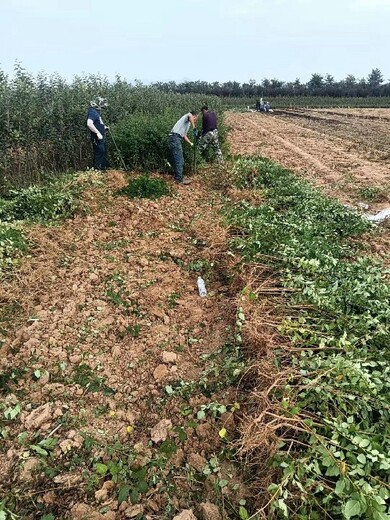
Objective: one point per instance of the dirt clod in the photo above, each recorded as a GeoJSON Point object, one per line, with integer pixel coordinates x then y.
{"type": "Point", "coordinates": [197, 461]}
{"type": "Point", "coordinates": [186, 514]}
{"type": "Point", "coordinates": [160, 432]}
{"type": "Point", "coordinates": [38, 417]}
{"type": "Point", "coordinates": [160, 372]}
{"type": "Point", "coordinates": [133, 511]}
{"type": "Point", "coordinates": [209, 511]}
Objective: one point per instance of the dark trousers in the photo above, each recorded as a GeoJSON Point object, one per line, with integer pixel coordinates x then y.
{"type": "Point", "coordinates": [176, 148]}
{"type": "Point", "coordinates": [99, 154]}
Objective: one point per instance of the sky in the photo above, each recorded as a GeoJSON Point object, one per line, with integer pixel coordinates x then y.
{"type": "Point", "coordinates": [189, 40]}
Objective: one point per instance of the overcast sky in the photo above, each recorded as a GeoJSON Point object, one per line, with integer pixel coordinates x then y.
{"type": "Point", "coordinates": [211, 40]}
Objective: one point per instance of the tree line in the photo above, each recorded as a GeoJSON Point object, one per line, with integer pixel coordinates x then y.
{"type": "Point", "coordinates": [319, 85]}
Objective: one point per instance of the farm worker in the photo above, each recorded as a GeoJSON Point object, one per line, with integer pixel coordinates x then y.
{"type": "Point", "coordinates": [209, 137]}
{"type": "Point", "coordinates": [175, 138]}
{"type": "Point", "coordinates": [98, 133]}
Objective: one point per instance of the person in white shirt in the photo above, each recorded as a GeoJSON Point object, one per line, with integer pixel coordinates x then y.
{"type": "Point", "coordinates": [175, 140]}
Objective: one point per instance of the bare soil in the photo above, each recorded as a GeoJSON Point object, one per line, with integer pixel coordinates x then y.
{"type": "Point", "coordinates": [345, 152]}
{"type": "Point", "coordinates": [109, 321]}
{"type": "Point", "coordinates": [339, 151]}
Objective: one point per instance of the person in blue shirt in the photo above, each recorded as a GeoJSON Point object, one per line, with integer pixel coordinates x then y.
{"type": "Point", "coordinates": [98, 133]}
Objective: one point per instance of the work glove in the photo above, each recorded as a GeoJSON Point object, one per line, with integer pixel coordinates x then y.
{"type": "Point", "coordinates": [196, 133]}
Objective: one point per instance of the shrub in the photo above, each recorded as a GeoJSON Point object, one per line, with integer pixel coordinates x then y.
{"type": "Point", "coordinates": [143, 140]}
{"type": "Point", "coordinates": [145, 187]}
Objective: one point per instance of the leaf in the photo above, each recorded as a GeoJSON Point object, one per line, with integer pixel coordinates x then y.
{"type": "Point", "coordinates": [333, 471]}
{"type": "Point", "coordinates": [243, 513]}
{"type": "Point", "coordinates": [39, 450]}
{"type": "Point", "coordinates": [340, 486]}
{"type": "Point", "coordinates": [222, 409]}
{"type": "Point", "coordinates": [11, 413]}
{"type": "Point", "coordinates": [101, 469]}
{"type": "Point", "coordinates": [362, 458]}
{"type": "Point", "coordinates": [49, 443]}
{"type": "Point", "coordinates": [201, 414]}
{"type": "Point", "coordinates": [140, 474]}
{"type": "Point", "coordinates": [169, 390]}
{"type": "Point", "coordinates": [3, 515]}
{"type": "Point", "coordinates": [143, 486]}
{"type": "Point", "coordinates": [281, 505]}
{"type": "Point", "coordinates": [352, 508]}
{"type": "Point", "coordinates": [182, 435]}
{"type": "Point", "coordinates": [134, 496]}
{"type": "Point", "coordinates": [364, 443]}
{"type": "Point", "coordinates": [50, 516]}
{"type": "Point", "coordinates": [123, 493]}
{"type": "Point", "coordinates": [168, 447]}
{"type": "Point", "coordinates": [380, 515]}
{"type": "Point", "coordinates": [222, 433]}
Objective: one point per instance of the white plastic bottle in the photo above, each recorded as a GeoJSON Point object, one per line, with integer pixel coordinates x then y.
{"type": "Point", "coordinates": [201, 287]}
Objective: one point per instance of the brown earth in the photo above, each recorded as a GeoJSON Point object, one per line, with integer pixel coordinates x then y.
{"type": "Point", "coordinates": [109, 321]}
{"type": "Point", "coordinates": [344, 152]}
{"type": "Point", "coordinates": [341, 153]}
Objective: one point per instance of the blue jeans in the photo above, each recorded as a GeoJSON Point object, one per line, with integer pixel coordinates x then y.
{"type": "Point", "coordinates": [175, 146]}
{"type": "Point", "coordinates": [99, 154]}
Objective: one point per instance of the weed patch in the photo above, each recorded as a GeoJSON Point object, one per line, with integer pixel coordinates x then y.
{"type": "Point", "coordinates": [59, 199]}
{"type": "Point", "coordinates": [12, 245]}
{"type": "Point", "coordinates": [374, 193]}
{"type": "Point", "coordinates": [145, 187]}
{"type": "Point", "coordinates": [86, 377]}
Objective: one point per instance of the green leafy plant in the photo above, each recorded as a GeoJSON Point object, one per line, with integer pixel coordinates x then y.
{"type": "Point", "coordinates": [12, 245]}
{"type": "Point", "coordinates": [145, 187]}
{"type": "Point", "coordinates": [59, 199]}
{"type": "Point", "coordinates": [335, 407]}
{"type": "Point", "coordinates": [373, 193]}
{"type": "Point", "coordinates": [86, 377]}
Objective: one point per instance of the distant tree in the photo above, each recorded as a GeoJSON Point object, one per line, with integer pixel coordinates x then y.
{"type": "Point", "coordinates": [350, 80]}
{"type": "Point", "coordinates": [316, 81]}
{"type": "Point", "coordinates": [375, 78]}
{"type": "Point", "coordinates": [249, 89]}
{"type": "Point", "coordinates": [318, 85]}
{"type": "Point", "coordinates": [266, 83]}
{"type": "Point", "coordinates": [329, 80]}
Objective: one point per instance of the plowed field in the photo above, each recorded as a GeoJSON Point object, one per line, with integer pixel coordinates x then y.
{"type": "Point", "coordinates": [345, 151]}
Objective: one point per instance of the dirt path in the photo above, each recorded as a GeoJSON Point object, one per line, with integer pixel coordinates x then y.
{"type": "Point", "coordinates": [112, 335]}
{"type": "Point", "coordinates": [330, 153]}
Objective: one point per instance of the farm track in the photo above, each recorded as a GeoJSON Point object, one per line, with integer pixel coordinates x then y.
{"type": "Point", "coordinates": [342, 115]}
{"type": "Point", "coordinates": [368, 134]}
{"type": "Point", "coordinates": [344, 156]}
